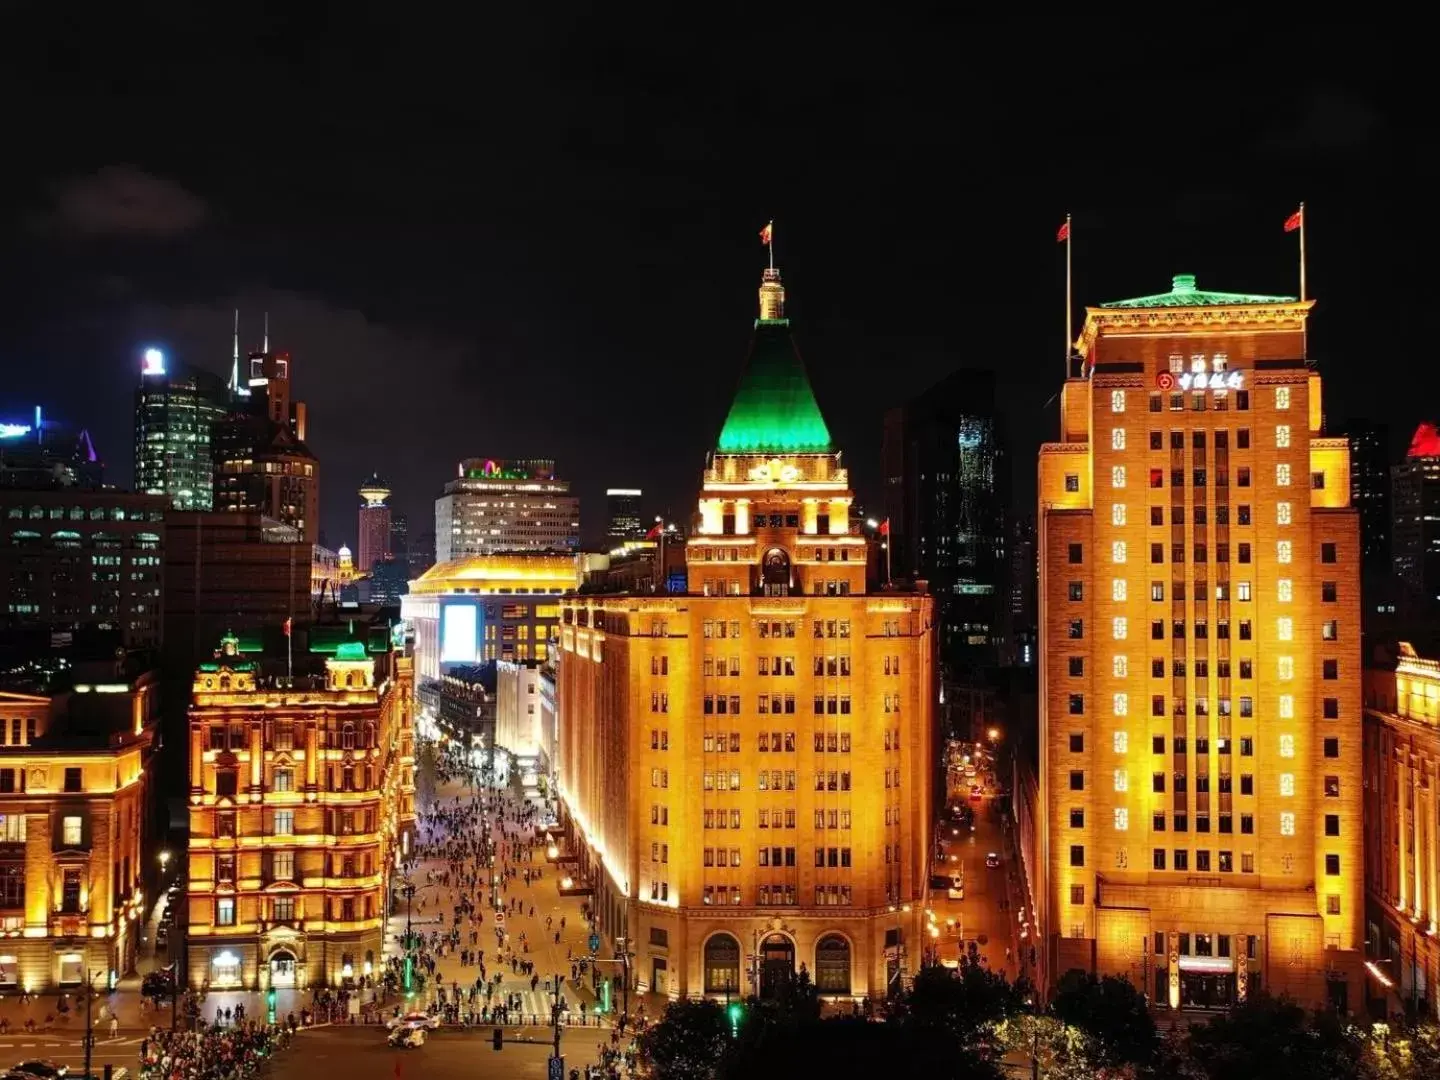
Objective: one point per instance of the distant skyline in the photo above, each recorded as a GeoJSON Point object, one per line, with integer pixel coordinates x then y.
{"type": "Point", "coordinates": [553, 251]}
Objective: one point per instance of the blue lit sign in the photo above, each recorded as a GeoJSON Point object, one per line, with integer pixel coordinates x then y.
{"type": "Point", "coordinates": [13, 431]}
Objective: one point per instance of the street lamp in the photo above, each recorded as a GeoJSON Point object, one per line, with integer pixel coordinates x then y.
{"type": "Point", "coordinates": [164, 859]}
{"type": "Point", "coordinates": [993, 735]}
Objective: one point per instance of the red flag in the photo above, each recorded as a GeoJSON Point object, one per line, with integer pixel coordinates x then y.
{"type": "Point", "coordinates": [655, 531]}
{"type": "Point", "coordinates": [288, 623]}
{"type": "Point", "coordinates": [1295, 220]}
{"type": "Point", "coordinates": [766, 233]}
{"type": "Point", "coordinates": [1063, 234]}
{"type": "Point", "coordinates": [885, 527]}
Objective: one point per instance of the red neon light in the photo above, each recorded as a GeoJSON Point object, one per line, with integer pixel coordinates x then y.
{"type": "Point", "coordinates": [1425, 443]}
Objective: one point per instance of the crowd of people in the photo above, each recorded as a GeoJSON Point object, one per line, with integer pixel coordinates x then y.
{"type": "Point", "coordinates": [210, 1053]}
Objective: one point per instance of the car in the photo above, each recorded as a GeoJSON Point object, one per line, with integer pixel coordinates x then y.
{"type": "Point", "coordinates": [956, 894]}
{"type": "Point", "coordinates": [415, 1019]}
{"type": "Point", "coordinates": [41, 1069]}
{"type": "Point", "coordinates": [992, 860]}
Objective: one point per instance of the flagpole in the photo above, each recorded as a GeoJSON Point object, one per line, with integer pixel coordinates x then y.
{"type": "Point", "coordinates": [1069, 320]}
{"type": "Point", "coordinates": [1302, 251]}
{"type": "Point", "coordinates": [771, 245]}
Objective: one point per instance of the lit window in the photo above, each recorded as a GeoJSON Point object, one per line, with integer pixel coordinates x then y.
{"type": "Point", "coordinates": [70, 832]}
{"type": "Point", "coordinates": [1119, 628]}
{"type": "Point", "coordinates": [1285, 628]}
{"type": "Point", "coordinates": [1120, 666]}
{"type": "Point", "coordinates": [1117, 476]}
{"type": "Point", "coordinates": [1282, 397]}
{"type": "Point", "coordinates": [1287, 708]}
{"type": "Point", "coordinates": [1117, 514]}
{"type": "Point", "coordinates": [1287, 746]}
{"type": "Point", "coordinates": [1122, 780]}
{"type": "Point", "coordinates": [1287, 784]}
{"type": "Point", "coordinates": [1122, 818]}
{"type": "Point", "coordinates": [1282, 513]}
{"type": "Point", "coordinates": [1117, 589]}
{"type": "Point", "coordinates": [1117, 438]}
{"type": "Point", "coordinates": [1286, 667]}
{"type": "Point", "coordinates": [1197, 364]}
{"type": "Point", "coordinates": [1283, 550]}
{"type": "Point", "coordinates": [1242, 590]}
{"type": "Point", "coordinates": [1282, 475]}
{"type": "Point", "coordinates": [1117, 551]}
{"type": "Point", "coordinates": [1285, 589]}
{"type": "Point", "coordinates": [1287, 823]}
{"type": "Point", "coordinates": [1117, 400]}
{"type": "Point", "coordinates": [1282, 435]}
{"type": "Point", "coordinates": [1122, 742]}
{"type": "Point", "coordinates": [1122, 705]}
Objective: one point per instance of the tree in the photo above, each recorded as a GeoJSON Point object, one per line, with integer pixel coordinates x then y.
{"type": "Point", "coordinates": [1275, 1039]}
{"type": "Point", "coordinates": [1393, 1051]}
{"type": "Point", "coordinates": [963, 1001]}
{"type": "Point", "coordinates": [1111, 1012]}
{"type": "Point", "coordinates": [689, 1043]}
{"type": "Point", "coordinates": [848, 1046]}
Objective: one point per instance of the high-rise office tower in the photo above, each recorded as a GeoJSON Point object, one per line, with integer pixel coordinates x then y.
{"type": "Point", "coordinates": [176, 410]}
{"type": "Point", "coordinates": [623, 507]}
{"type": "Point", "coordinates": [1370, 492]}
{"type": "Point", "coordinates": [400, 537]}
{"type": "Point", "coordinates": [745, 771]}
{"type": "Point", "coordinates": [1200, 687]}
{"type": "Point", "coordinates": [374, 526]}
{"type": "Point", "coordinates": [946, 493]}
{"type": "Point", "coordinates": [261, 460]}
{"type": "Point", "coordinates": [1415, 515]}
{"type": "Point", "coordinates": [498, 506]}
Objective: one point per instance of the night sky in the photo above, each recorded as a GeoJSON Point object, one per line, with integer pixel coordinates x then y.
{"type": "Point", "coordinates": [485, 234]}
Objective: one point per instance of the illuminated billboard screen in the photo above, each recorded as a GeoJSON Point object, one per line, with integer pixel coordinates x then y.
{"type": "Point", "coordinates": [459, 634]}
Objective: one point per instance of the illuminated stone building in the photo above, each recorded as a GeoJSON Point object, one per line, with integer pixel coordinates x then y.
{"type": "Point", "coordinates": [1200, 641]}
{"type": "Point", "coordinates": [74, 827]}
{"type": "Point", "coordinates": [1402, 832]}
{"type": "Point", "coordinates": [290, 870]}
{"type": "Point", "coordinates": [745, 768]}
{"type": "Point", "coordinates": [487, 607]}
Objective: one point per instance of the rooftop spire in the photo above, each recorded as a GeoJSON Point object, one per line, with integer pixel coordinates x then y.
{"type": "Point", "coordinates": [265, 348]}
{"type": "Point", "coordinates": [235, 356]}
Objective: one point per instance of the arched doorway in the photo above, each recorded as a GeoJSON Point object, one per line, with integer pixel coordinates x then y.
{"type": "Point", "coordinates": [282, 968]}
{"type": "Point", "coordinates": [777, 965]}
{"type": "Point", "coordinates": [722, 965]}
{"type": "Point", "coordinates": [832, 965]}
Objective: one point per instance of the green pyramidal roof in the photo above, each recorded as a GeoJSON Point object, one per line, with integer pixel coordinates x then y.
{"type": "Point", "coordinates": [1183, 293]}
{"type": "Point", "coordinates": [774, 410]}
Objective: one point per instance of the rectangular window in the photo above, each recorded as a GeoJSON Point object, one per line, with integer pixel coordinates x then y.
{"type": "Point", "coordinates": [71, 831]}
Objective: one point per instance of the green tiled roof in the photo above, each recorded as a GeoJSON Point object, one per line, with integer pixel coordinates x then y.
{"type": "Point", "coordinates": [1183, 293]}
{"type": "Point", "coordinates": [774, 410]}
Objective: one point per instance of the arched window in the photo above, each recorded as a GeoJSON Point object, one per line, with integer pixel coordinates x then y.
{"type": "Point", "coordinates": [722, 964]}
{"type": "Point", "coordinates": [347, 735]}
{"type": "Point", "coordinates": [832, 965]}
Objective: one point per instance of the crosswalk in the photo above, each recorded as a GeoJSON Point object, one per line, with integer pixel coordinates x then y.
{"type": "Point", "coordinates": [26, 1041]}
{"type": "Point", "coordinates": [535, 1005]}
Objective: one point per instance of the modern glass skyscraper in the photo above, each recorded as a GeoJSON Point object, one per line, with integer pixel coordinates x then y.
{"type": "Point", "coordinates": [176, 408]}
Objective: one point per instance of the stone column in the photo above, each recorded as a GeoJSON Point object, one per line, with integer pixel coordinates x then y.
{"type": "Point", "coordinates": [197, 752]}
{"type": "Point", "coordinates": [1402, 792]}
{"type": "Point", "coordinates": [1418, 866]}
{"type": "Point", "coordinates": [312, 757]}
{"type": "Point", "coordinates": [257, 754]}
{"type": "Point", "coordinates": [1432, 854]}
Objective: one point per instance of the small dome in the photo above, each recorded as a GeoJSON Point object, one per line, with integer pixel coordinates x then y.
{"type": "Point", "coordinates": [344, 552]}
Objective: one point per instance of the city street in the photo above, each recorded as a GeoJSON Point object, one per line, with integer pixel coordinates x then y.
{"type": "Point", "coordinates": [361, 1053]}
{"type": "Point", "coordinates": [433, 909]}
{"type": "Point", "coordinates": [67, 1048]}
{"type": "Point", "coordinates": [986, 915]}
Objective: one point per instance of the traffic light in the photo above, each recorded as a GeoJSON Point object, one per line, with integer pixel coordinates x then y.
{"type": "Point", "coordinates": [270, 996]}
{"type": "Point", "coordinates": [499, 1039]}
{"type": "Point", "coordinates": [735, 1011]}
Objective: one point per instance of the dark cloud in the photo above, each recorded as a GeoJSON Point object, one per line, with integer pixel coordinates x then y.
{"type": "Point", "coordinates": [1329, 120]}
{"type": "Point", "coordinates": [120, 200]}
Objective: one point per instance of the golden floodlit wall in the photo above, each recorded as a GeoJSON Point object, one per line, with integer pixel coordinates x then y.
{"type": "Point", "coordinates": [1200, 660]}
